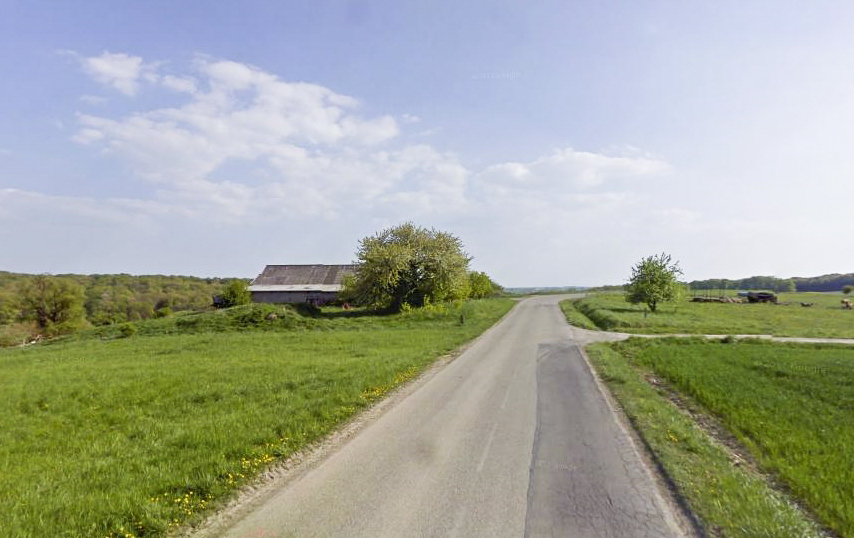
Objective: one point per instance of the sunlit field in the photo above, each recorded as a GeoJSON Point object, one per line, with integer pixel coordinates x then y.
{"type": "Point", "coordinates": [134, 431]}
{"type": "Point", "coordinates": [790, 406]}
{"type": "Point", "coordinates": [825, 318]}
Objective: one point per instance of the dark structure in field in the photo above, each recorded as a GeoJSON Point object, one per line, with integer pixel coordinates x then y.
{"type": "Point", "coordinates": [316, 284]}
{"type": "Point", "coordinates": [761, 297]}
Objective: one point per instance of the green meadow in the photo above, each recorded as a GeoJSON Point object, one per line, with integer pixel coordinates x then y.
{"type": "Point", "coordinates": [790, 406]}
{"type": "Point", "coordinates": [137, 429]}
{"type": "Point", "coordinates": [824, 319]}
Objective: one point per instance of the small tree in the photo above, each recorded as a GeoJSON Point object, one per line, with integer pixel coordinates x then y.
{"type": "Point", "coordinates": [55, 304]}
{"type": "Point", "coordinates": [480, 285]}
{"type": "Point", "coordinates": [847, 289]}
{"type": "Point", "coordinates": [654, 280]}
{"type": "Point", "coordinates": [407, 264]}
{"type": "Point", "coordinates": [235, 293]}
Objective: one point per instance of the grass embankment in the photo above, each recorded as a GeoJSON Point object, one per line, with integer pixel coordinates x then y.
{"type": "Point", "coordinates": [789, 405]}
{"type": "Point", "coordinates": [104, 437]}
{"type": "Point", "coordinates": [611, 312]}
{"type": "Point", "coordinates": [574, 316]}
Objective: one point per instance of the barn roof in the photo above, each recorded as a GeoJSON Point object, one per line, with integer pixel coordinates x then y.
{"type": "Point", "coordinates": [302, 278]}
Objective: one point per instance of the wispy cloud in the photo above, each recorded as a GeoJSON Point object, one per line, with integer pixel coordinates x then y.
{"type": "Point", "coordinates": [17, 205]}
{"type": "Point", "coordinates": [243, 144]}
{"type": "Point", "coordinates": [120, 71]}
{"type": "Point", "coordinates": [93, 99]}
{"type": "Point", "coordinates": [570, 168]}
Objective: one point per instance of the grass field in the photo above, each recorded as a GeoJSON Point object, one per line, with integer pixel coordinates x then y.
{"type": "Point", "coordinates": [610, 312]}
{"type": "Point", "coordinates": [122, 434]}
{"type": "Point", "coordinates": [790, 405]}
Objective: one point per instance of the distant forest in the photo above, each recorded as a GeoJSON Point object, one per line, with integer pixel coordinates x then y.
{"type": "Point", "coordinates": [120, 298]}
{"type": "Point", "coordinates": [832, 282]}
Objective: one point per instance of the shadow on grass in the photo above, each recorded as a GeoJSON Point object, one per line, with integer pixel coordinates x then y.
{"type": "Point", "coordinates": [628, 309]}
{"type": "Point", "coordinates": [356, 313]}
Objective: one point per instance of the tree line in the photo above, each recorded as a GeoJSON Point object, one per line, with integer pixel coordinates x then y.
{"type": "Point", "coordinates": [56, 304]}
{"type": "Point", "coordinates": [751, 283]}
{"type": "Point", "coordinates": [831, 282]}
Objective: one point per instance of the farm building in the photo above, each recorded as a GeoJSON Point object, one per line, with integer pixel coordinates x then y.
{"type": "Point", "coordinates": [317, 284]}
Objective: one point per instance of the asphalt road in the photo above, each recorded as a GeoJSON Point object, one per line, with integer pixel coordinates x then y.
{"type": "Point", "coordinates": [513, 438]}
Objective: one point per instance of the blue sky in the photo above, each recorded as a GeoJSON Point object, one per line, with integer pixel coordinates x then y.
{"type": "Point", "coordinates": [562, 141]}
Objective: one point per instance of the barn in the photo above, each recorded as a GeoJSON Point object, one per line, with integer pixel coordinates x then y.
{"type": "Point", "coordinates": [317, 284]}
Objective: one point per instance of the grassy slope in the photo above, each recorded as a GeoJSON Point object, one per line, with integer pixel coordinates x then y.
{"type": "Point", "coordinates": [129, 437]}
{"type": "Point", "coordinates": [610, 311]}
{"type": "Point", "coordinates": [791, 406]}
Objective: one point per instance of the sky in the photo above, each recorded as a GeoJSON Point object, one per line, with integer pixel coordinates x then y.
{"type": "Point", "coordinates": [561, 141]}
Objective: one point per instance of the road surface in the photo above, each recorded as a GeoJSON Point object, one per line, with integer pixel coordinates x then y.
{"type": "Point", "coordinates": [512, 438]}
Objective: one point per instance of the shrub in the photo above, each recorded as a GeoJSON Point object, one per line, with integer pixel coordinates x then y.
{"type": "Point", "coordinates": [126, 330]}
{"type": "Point", "coordinates": [235, 293]}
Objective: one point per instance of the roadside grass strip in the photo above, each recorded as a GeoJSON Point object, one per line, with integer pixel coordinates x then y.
{"type": "Point", "coordinates": [825, 319]}
{"type": "Point", "coordinates": [575, 317]}
{"type": "Point", "coordinates": [790, 406]}
{"type": "Point", "coordinates": [136, 436]}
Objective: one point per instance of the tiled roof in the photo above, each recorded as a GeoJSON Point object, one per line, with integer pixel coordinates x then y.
{"type": "Point", "coordinates": [301, 277]}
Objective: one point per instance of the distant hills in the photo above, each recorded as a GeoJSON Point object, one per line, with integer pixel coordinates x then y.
{"type": "Point", "coordinates": [544, 290]}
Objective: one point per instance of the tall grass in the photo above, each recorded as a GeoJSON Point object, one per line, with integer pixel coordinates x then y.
{"type": "Point", "coordinates": [109, 436]}
{"type": "Point", "coordinates": [790, 405]}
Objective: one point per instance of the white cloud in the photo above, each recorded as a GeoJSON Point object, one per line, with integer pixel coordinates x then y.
{"type": "Point", "coordinates": [566, 178]}
{"type": "Point", "coordinates": [576, 169]}
{"type": "Point", "coordinates": [118, 70]}
{"type": "Point", "coordinates": [93, 99]}
{"type": "Point", "coordinates": [239, 145]}
{"type": "Point", "coordinates": [88, 136]}
{"type": "Point", "coordinates": [296, 138]}
{"type": "Point", "coordinates": [179, 84]}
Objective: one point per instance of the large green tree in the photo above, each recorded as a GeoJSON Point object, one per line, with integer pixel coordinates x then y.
{"type": "Point", "coordinates": [407, 264]}
{"type": "Point", "coordinates": [654, 280]}
{"type": "Point", "coordinates": [55, 304]}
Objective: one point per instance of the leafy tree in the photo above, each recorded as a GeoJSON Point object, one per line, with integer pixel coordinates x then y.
{"type": "Point", "coordinates": [654, 280]}
{"type": "Point", "coordinates": [847, 289]}
{"type": "Point", "coordinates": [55, 304]}
{"type": "Point", "coordinates": [407, 264]}
{"type": "Point", "coordinates": [235, 293]}
{"type": "Point", "coordinates": [480, 285]}
{"type": "Point", "coordinates": [9, 310]}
